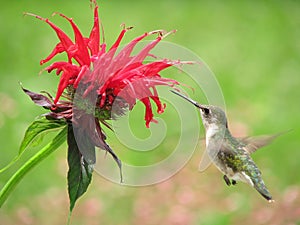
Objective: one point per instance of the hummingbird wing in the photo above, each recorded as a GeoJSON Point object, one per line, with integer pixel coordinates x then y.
{"type": "Point", "coordinates": [211, 152]}
{"type": "Point", "coordinates": [254, 143]}
{"type": "Point", "coordinates": [205, 161]}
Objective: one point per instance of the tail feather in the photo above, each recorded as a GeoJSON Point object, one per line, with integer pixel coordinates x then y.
{"type": "Point", "coordinates": [262, 189]}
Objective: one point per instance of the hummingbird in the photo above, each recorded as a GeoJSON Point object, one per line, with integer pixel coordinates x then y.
{"type": "Point", "coordinates": [229, 154]}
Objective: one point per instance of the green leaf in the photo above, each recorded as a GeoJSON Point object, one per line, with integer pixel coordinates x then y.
{"type": "Point", "coordinates": [37, 128]}
{"type": "Point", "coordinates": [80, 172]}
{"type": "Point", "coordinates": [32, 162]}
{"type": "Point", "coordinates": [34, 135]}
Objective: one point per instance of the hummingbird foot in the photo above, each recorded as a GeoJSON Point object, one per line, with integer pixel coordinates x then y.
{"type": "Point", "coordinates": [233, 182]}
{"type": "Point", "coordinates": [227, 180]}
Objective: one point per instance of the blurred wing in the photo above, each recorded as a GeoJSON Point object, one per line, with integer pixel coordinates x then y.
{"type": "Point", "coordinates": [205, 162]}
{"type": "Point", "coordinates": [254, 143]}
{"type": "Point", "coordinates": [210, 153]}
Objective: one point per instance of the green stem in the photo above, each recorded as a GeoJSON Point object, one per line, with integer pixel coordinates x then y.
{"type": "Point", "coordinates": [32, 162]}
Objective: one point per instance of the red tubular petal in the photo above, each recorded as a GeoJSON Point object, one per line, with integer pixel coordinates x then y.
{"type": "Point", "coordinates": [160, 107]}
{"type": "Point", "coordinates": [121, 62]}
{"type": "Point", "coordinates": [106, 60]}
{"type": "Point", "coordinates": [65, 41]}
{"type": "Point", "coordinates": [119, 39]}
{"type": "Point", "coordinates": [94, 38]}
{"type": "Point", "coordinates": [82, 54]}
{"type": "Point", "coordinates": [70, 73]}
{"type": "Point", "coordinates": [124, 56]}
{"type": "Point", "coordinates": [138, 71]}
{"type": "Point", "coordinates": [59, 48]}
{"type": "Point", "coordinates": [145, 51]}
{"type": "Point", "coordinates": [154, 68]}
{"type": "Point", "coordinates": [163, 81]}
{"type": "Point", "coordinates": [155, 98]}
{"type": "Point", "coordinates": [83, 70]}
{"type": "Point", "coordinates": [148, 112]}
{"type": "Point", "coordinates": [63, 83]}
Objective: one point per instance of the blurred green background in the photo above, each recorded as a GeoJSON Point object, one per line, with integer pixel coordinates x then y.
{"type": "Point", "coordinates": [252, 47]}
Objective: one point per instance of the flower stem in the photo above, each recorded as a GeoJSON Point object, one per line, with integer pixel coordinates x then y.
{"type": "Point", "coordinates": [32, 162]}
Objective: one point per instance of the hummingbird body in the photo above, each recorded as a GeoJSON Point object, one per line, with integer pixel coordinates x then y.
{"type": "Point", "coordinates": [231, 157]}
{"type": "Point", "coordinates": [229, 154]}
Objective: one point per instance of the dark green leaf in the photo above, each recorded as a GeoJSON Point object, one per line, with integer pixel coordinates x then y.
{"type": "Point", "coordinates": [84, 137]}
{"type": "Point", "coordinates": [32, 162]}
{"type": "Point", "coordinates": [35, 130]}
{"type": "Point", "coordinates": [80, 172]}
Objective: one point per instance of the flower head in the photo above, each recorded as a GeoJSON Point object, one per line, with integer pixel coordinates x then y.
{"type": "Point", "coordinates": [96, 84]}
{"type": "Point", "coordinates": [106, 73]}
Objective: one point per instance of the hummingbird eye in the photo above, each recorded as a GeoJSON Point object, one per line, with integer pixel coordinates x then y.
{"type": "Point", "coordinates": [206, 111]}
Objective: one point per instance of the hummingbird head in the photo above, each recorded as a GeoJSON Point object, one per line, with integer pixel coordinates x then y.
{"type": "Point", "coordinates": [211, 115]}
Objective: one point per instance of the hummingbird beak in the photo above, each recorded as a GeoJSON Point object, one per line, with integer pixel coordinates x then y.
{"type": "Point", "coordinates": [189, 99]}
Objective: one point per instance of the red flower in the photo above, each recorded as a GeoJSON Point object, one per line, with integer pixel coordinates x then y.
{"type": "Point", "coordinates": [105, 72]}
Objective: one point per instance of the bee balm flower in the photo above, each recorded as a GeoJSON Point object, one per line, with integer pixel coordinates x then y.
{"type": "Point", "coordinates": [96, 84]}
{"type": "Point", "coordinates": [104, 72]}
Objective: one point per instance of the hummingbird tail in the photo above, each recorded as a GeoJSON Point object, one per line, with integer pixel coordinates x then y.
{"type": "Point", "coordinates": [262, 189]}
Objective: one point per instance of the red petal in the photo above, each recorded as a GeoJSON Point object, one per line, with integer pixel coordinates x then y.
{"type": "Point", "coordinates": [59, 48]}
{"type": "Point", "coordinates": [83, 72]}
{"type": "Point", "coordinates": [124, 56]}
{"type": "Point", "coordinates": [145, 51]}
{"type": "Point", "coordinates": [118, 41]}
{"type": "Point", "coordinates": [65, 41]}
{"type": "Point", "coordinates": [82, 54]}
{"type": "Point", "coordinates": [94, 39]}
{"type": "Point", "coordinates": [107, 63]}
{"type": "Point", "coordinates": [155, 98]}
{"type": "Point", "coordinates": [148, 112]}
{"type": "Point", "coordinates": [69, 74]}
